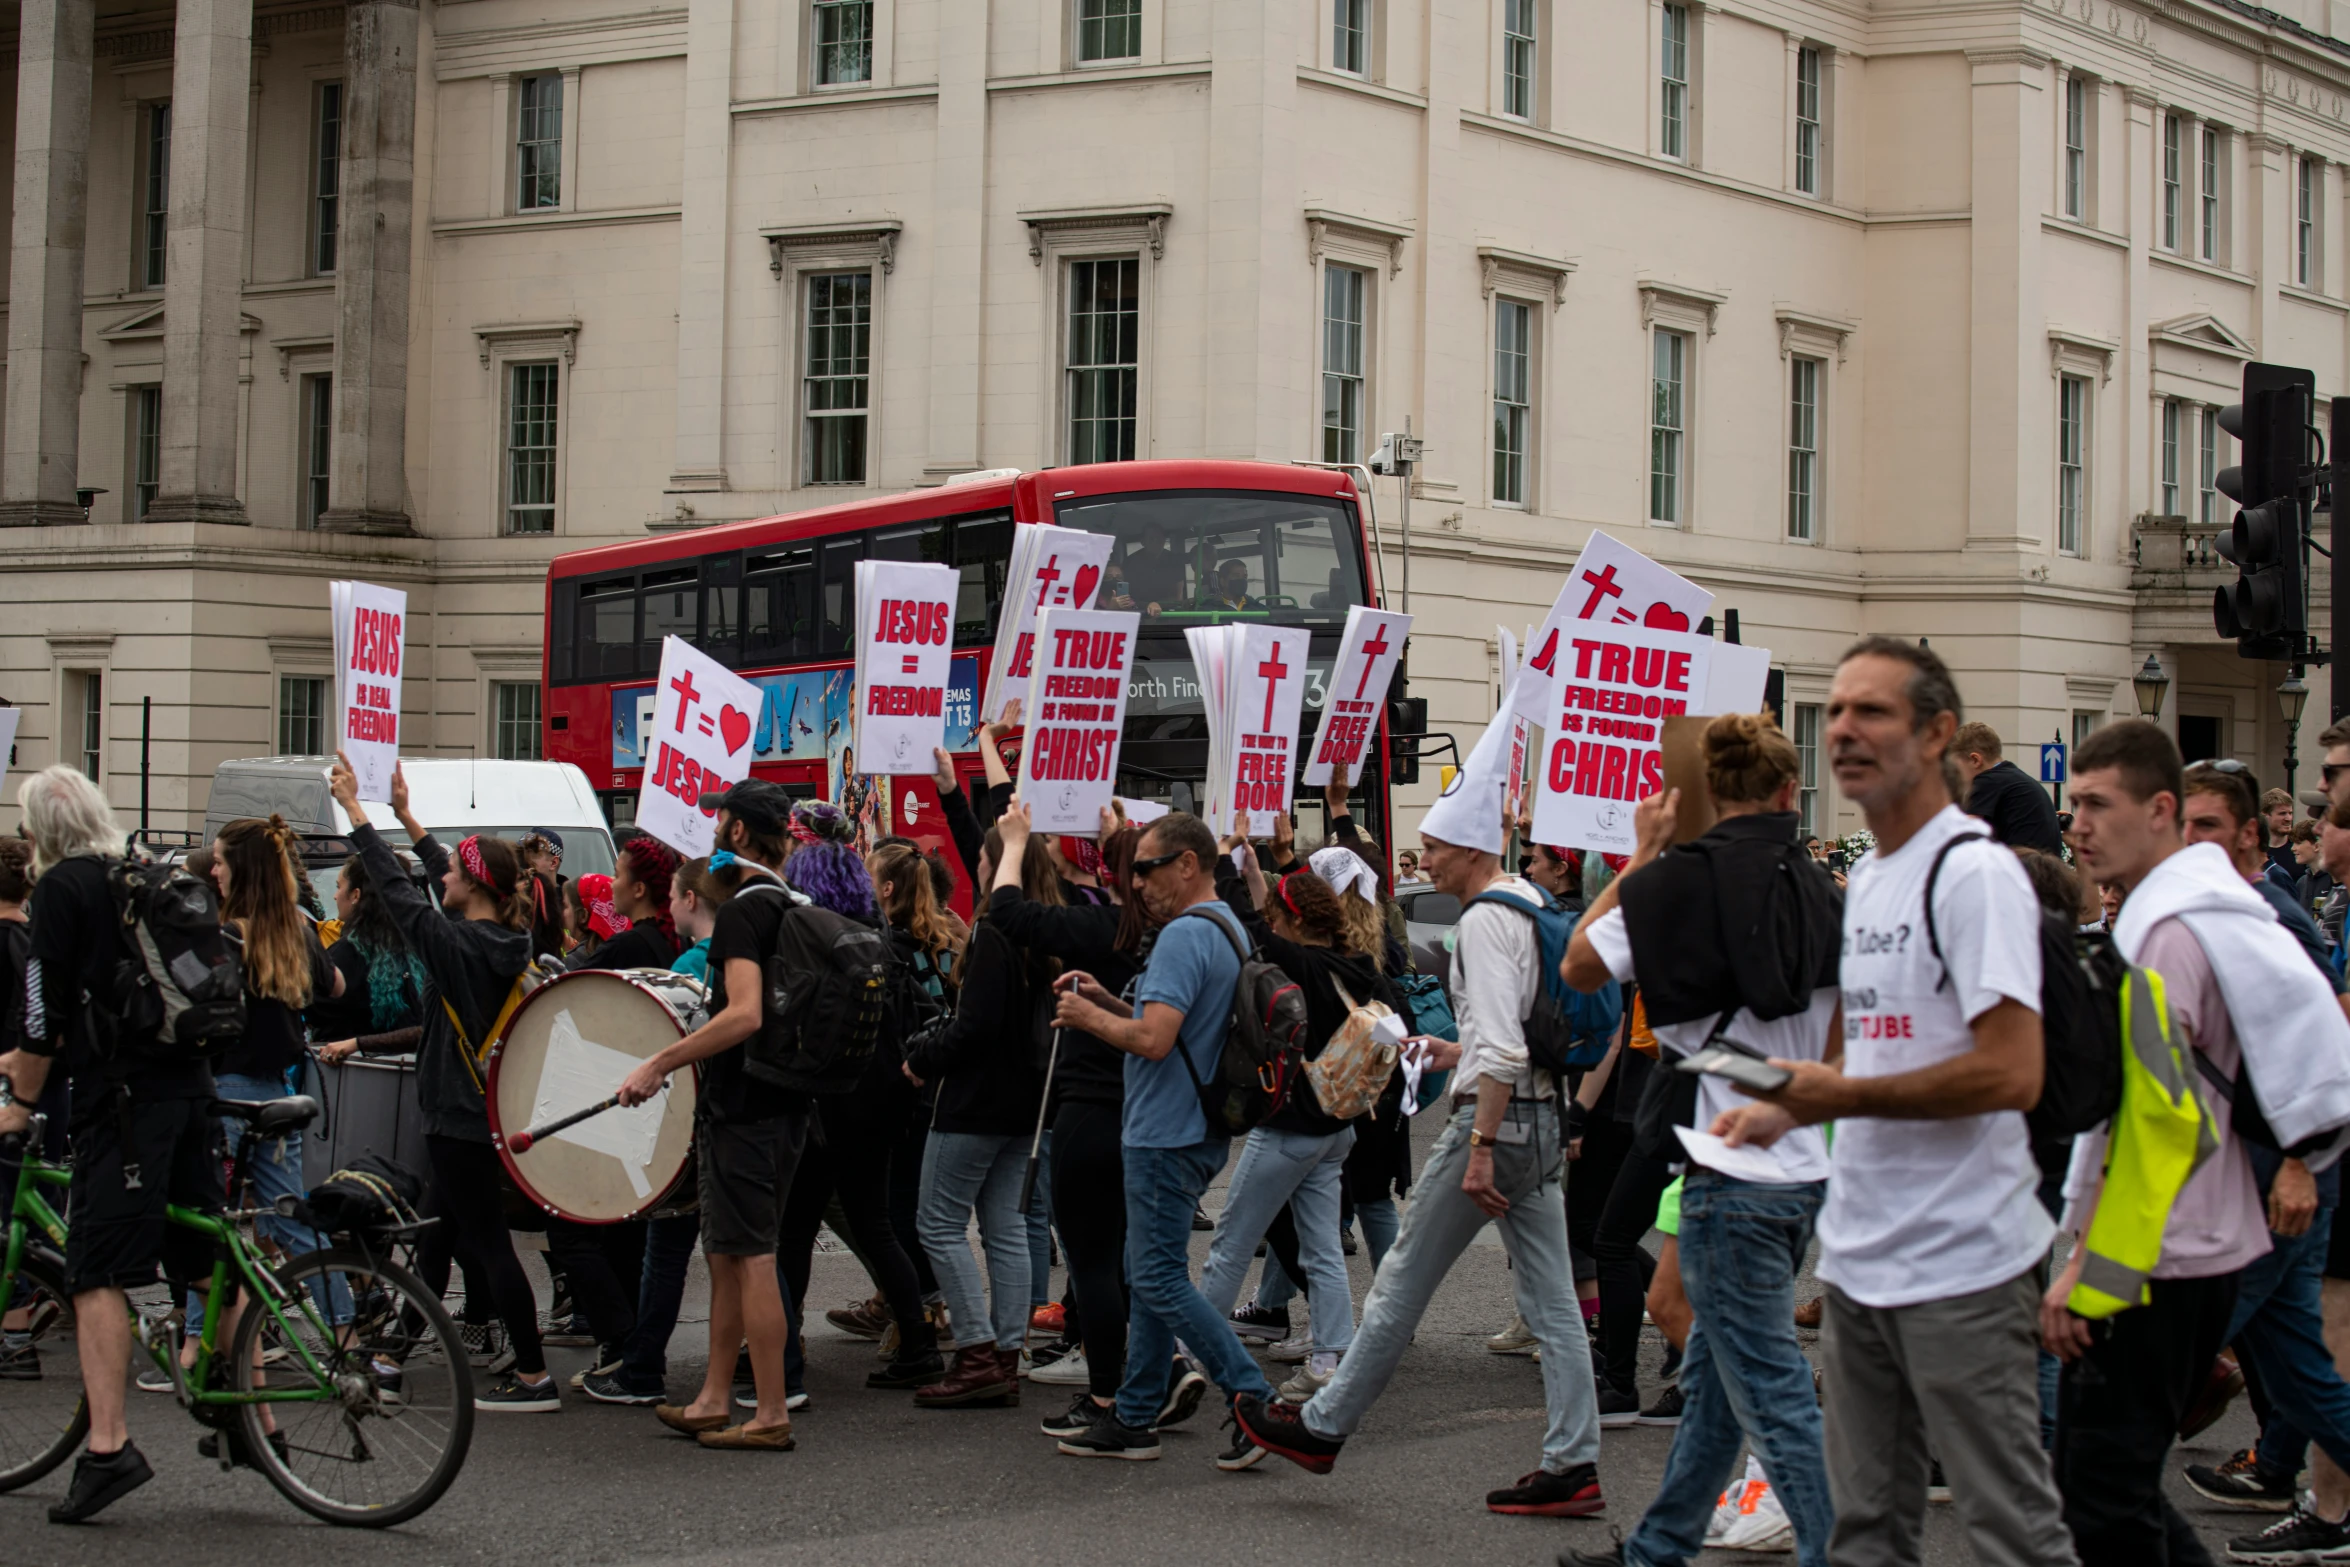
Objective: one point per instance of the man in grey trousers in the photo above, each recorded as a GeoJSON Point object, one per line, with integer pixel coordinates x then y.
{"type": "Point", "coordinates": [1932, 1240]}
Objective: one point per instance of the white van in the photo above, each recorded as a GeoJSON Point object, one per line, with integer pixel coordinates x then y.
{"type": "Point", "coordinates": [453, 796]}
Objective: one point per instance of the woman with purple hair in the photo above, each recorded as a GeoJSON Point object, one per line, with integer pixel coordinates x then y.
{"type": "Point", "coordinates": [850, 1156]}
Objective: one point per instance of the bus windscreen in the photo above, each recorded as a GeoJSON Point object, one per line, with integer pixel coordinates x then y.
{"type": "Point", "coordinates": [1202, 558]}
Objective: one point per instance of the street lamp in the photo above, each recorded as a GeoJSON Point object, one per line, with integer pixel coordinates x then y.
{"type": "Point", "coordinates": [2150, 683]}
{"type": "Point", "coordinates": [2292, 696]}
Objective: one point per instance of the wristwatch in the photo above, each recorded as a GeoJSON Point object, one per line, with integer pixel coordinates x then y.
{"type": "Point", "coordinates": [1478, 1139]}
{"type": "Point", "coordinates": [8, 1099]}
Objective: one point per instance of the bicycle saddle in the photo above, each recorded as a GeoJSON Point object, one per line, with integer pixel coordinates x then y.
{"type": "Point", "coordinates": [271, 1117]}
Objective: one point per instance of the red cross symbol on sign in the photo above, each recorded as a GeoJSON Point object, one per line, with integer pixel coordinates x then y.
{"type": "Point", "coordinates": [1046, 575]}
{"type": "Point", "coordinates": [1372, 648]}
{"type": "Point", "coordinates": [1273, 670]}
{"type": "Point", "coordinates": [1603, 585]}
{"type": "Point", "coordinates": [687, 696]}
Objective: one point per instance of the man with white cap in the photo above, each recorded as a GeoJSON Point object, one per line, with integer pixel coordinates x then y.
{"type": "Point", "coordinates": [1497, 1161]}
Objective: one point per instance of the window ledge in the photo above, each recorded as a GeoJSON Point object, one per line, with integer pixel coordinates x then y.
{"type": "Point", "coordinates": [836, 98]}
{"type": "Point", "coordinates": [2074, 228]}
{"type": "Point", "coordinates": [2309, 297]}
{"type": "Point", "coordinates": [2165, 258]}
{"type": "Point", "coordinates": [1149, 216]}
{"type": "Point", "coordinates": [498, 333]}
{"type": "Point", "coordinates": [521, 222]}
{"type": "Point", "coordinates": [1347, 81]}
{"type": "Point", "coordinates": [1506, 126]}
{"type": "Point", "coordinates": [1095, 75]}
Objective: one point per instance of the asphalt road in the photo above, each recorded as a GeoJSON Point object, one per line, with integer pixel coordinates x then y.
{"type": "Point", "coordinates": [877, 1481]}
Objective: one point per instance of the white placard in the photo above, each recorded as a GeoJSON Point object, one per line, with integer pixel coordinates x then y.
{"type": "Point", "coordinates": [905, 645]}
{"type": "Point", "coordinates": [1615, 687]}
{"type": "Point", "coordinates": [1612, 584]}
{"type": "Point", "coordinates": [1367, 657]}
{"type": "Point", "coordinates": [703, 715]}
{"type": "Point", "coordinates": [1253, 686]}
{"type": "Point", "coordinates": [10, 717]}
{"type": "Point", "coordinates": [369, 637]}
{"type": "Point", "coordinates": [1051, 568]}
{"type": "Point", "coordinates": [1143, 812]}
{"type": "Point", "coordinates": [1075, 715]}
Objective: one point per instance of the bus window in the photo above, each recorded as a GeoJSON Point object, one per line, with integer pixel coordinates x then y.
{"type": "Point", "coordinates": [673, 608]}
{"type": "Point", "coordinates": [1205, 557]}
{"type": "Point", "coordinates": [923, 542]}
{"type": "Point", "coordinates": [607, 628]}
{"type": "Point", "coordinates": [840, 595]}
{"type": "Point", "coordinates": [983, 554]}
{"type": "Point", "coordinates": [779, 605]}
{"type": "Point", "coordinates": [721, 598]}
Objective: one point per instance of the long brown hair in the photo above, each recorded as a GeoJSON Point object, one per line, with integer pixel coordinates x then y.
{"type": "Point", "coordinates": [1310, 908]}
{"type": "Point", "coordinates": [909, 901]}
{"type": "Point", "coordinates": [1039, 881]}
{"type": "Point", "coordinates": [501, 879]}
{"type": "Point", "coordinates": [1118, 851]}
{"type": "Point", "coordinates": [262, 899]}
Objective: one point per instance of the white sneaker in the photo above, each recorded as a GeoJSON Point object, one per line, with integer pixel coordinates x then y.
{"type": "Point", "coordinates": [1303, 1386]}
{"type": "Point", "coordinates": [1292, 1349]}
{"type": "Point", "coordinates": [1761, 1524]}
{"type": "Point", "coordinates": [1068, 1371]}
{"type": "Point", "coordinates": [1516, 1339]}
{"type": "Point", "coordinates": [1717, 1528]}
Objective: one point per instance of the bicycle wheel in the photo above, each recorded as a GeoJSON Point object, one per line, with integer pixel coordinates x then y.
{"type": "Point", "coordinates": [43, 1416]}
{"type": "Point", "coordinates": [391, 1433]}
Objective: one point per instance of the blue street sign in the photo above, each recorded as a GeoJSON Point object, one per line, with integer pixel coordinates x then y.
{"type": "Point", "coordinates": [2052, 762]}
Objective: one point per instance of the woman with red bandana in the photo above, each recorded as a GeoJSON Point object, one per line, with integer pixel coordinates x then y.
{"type": "Point", "coordinates": [636, 907]}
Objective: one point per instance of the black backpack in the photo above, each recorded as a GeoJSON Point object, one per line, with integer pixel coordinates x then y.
{"type": "Point", "coordinates": [1264, 1043]}
{"type": "Point", "coordinates": [176, 990]}
{"type": "Point", "coordinates": [2082, 975]}
{"type": "Point", "coordinates": [828, 992]}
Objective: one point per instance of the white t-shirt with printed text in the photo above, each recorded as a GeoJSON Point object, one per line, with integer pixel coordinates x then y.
{"type": "Point", "coordinates": [1927, 1210]}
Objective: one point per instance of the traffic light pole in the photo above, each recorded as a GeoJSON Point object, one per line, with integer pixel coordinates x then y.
{"type": "Point", "coordinates": [2338, 469]}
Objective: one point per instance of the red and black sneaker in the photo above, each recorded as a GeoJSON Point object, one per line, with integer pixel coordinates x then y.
{"type": "Point", "coordinates": [1281, 1428]}
{"type": "Point", "coordinates": [1542, 1494]}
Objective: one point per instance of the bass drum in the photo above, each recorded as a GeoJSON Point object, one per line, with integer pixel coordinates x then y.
{"type": "Point", "coordinates": [568, 1046]}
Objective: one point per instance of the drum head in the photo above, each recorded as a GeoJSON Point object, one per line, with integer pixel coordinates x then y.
{"type": "Point", "coordinates": [568, 1046]}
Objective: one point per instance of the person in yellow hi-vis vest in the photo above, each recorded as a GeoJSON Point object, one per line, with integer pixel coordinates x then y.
{"type": "Point", "coordinates": [2165, 1204]}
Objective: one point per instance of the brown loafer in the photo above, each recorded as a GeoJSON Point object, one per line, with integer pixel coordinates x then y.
{"type": "Point", "coordinates": [751, 1438]}
{"type": "Point", "coordinates": [676, 1419]}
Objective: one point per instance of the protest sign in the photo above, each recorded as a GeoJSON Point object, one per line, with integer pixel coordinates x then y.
{"type": "Point", "coordinates": [1252, 678]}
{"type": "Point", "coordinates": [1368, 652]}
{"type": "Point", "coordinates": [1612, 584]}
{"type": "Point", "coordinates": [10, 716]}
{"type": "Point", "coordinates": [1075, 716]}
{"type": "Point", "coordinates": [1051, 568]}
{"type": "Point", "coordinates": [369, 637]}
{"type": "Point", "coordinates": [905, 647]}
{"type": "Point", "coordinates": [703, 715]}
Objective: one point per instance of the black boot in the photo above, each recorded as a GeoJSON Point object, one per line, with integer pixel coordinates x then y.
{"type": "Point", "coordinates": [100, 1482]}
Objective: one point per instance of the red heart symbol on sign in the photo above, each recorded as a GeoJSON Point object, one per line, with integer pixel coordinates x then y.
{"type": "Point", "coordinates": [735, 727]}
{"type": "Point", "coordinates": [1663, 617]}
{"type": "Point", "coordinates": [1081, 594]}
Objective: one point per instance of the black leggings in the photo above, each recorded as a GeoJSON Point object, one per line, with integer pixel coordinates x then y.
{"type": "Point", "coordinates": [467, 1182]}
{"type": "Point", "coordinates": [848, 1157]}
{"type": "Point", "coordinates": [1624, 1264]}
{"type": "Point", "coordinates": [1089, 1208]}
{"type": "Point", "coordinates": [906, 1143]}
{"type": "Point", "coordinates": [605, 1263]}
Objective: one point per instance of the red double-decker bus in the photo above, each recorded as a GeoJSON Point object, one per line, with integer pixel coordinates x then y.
{"type": "Point", "coordinates": [1198, 543]}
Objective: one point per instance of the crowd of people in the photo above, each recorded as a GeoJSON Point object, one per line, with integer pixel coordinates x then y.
{"type": "Point", "coordinates": [1857, 1063]}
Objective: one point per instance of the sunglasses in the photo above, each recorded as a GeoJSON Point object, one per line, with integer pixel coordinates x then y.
{"type": "Point", "coordinates": [1142, 868]}
{"type": "Point", "coordinates": [2331, 770]}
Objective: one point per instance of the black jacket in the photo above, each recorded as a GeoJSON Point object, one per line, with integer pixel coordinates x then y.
{"type": "Point", "coordinates": [471, 964]}
{"type": "Point", "coordinates": [2019, 810]}
{"type": "Point", "coordinates": [984, 1062]}
{"type": "Point", "coordinates": [1319, 972]}
{"type": "Point", "coordinates": [1080, 935]}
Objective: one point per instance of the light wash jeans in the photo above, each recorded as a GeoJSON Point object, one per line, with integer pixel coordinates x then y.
{"type": "Point", "coordinates": [1040, 1224]}
{"type": "Point", "coordinates": [1275, 1288]}
{"type": "Point", "coordinates": [1743, 1375]}
{"type": "Point", "coordinates": [276, 1172]}
{"type": "Point", "coordinates": [1163, 1186]}
{"type": "Point", "coordinates": [963, 1171]}
{"type": "Point", "coordinates": [1278, 1167]}
{"type": "Point", "coordinates": [1438, 1228]}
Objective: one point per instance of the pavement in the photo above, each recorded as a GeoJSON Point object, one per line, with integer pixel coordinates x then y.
{"type": "Point", "coordinates": [877, 1481]}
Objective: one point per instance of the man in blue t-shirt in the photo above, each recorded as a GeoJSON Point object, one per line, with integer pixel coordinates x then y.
{"type": "Point", "coordinates": [1173, 1036]}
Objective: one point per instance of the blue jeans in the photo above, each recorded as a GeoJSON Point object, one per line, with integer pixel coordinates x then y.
{"type": "Point", "coordinates": [1381, 1224]}
{"type": "Point", "coordinates": [1040, 1226]}
{"type": "Point", "coordinates": [2278, 1330]}
{"type": "Point", "coordinates": [1278, 1167]}
{"type": "Point", "coordinates": [1163, 1186]}
{"type": "Point", "coordinates": [1743, 1375]}
{"type": "Point", "coordinates": [276, 1172]}
{"type": "Point", "coordinates": [660, 1292]}
{"type": "Point", "coordinates": [1441, 1224]}
{"type": "Point", "coordinates": [963, 1171]}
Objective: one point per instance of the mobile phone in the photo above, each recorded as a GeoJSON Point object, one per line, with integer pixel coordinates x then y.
{"type": "Point", "coordinates": [1836, 860]}
{"type": "Point", "coordinates": [1743, 1067]}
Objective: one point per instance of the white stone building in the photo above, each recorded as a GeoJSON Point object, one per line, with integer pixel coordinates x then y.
{"type": "Point", "coordinates": [1867, 314]}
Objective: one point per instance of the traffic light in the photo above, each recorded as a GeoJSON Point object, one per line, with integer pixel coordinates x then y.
{"type": "Point", "coordinates": [1407, 725]}
{"type": "Point", "coordinates": [2265, 611]}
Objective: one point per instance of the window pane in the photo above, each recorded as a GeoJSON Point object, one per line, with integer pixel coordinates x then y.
{"type": "Point", "coordinates": [301, 716]}
{"type": "Point", "coordinates": [1512, 384]}
{"type": "Point", "coordinates": [317, 446]}
{"type": "Point", "coordinates": [844, 41]}
{"type": "Point", "coordinates": [2170, 458]}
{"type": "Point", "coordinates": [839, 363]}
{"type": "Point", "coordinates": [2210, 192]}
{"type": "Point", "coordinates": [983, 556]}
{"type": "Point", "coordinates": [1673, 68]}
{"type": "Point", "coordinates": [157, 213]}
{"type": "Point", "coordinates": [1807, 121]}
{"type": "Point", "coordinates": [327, 181]}
{"type": "Point", "coordinates": [2207, 467]}
{"type": "Point", "coordinates": [779, 605]}
{"type": "Point", "coordinates": [2071, 457]}
{"type": "Point", "coordinates": [514, 721]}
{"type": "Point", "coordinates": [1109, 29]}
{"type": "Point", "coordinates": [539, 144]}
{"type": "Point", "coordinates": [1350, 35]}
{"type": "Point", "coordinates": [2172, 130]}
{"type": "Point", "coordinates": [2076, 146]}
{"type": "Point", "coordinates": [146, 448]}
{"type": "Point", "coordinates": [1807, 758]}
{"type": "Point", "coordinates": [93, 722]}
{"type": "Point", "coordinates": [1665, 427]}
{"type": "Point", "coordinates": [1803, 447]}
{"type": "Point", "coordinates": [672, 608]}
{"type": "Point", "coordinates": [1104, 346]}
{"type": "Point", "coordinates": [1342, 364]}
{"type": "Point", "coordinates": [1517, 58]}
{"type": "Point", "coordinates": [530, 449]}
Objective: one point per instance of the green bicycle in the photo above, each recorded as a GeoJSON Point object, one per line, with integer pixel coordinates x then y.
{"type": "Point", "coordinates": [350, 1356]}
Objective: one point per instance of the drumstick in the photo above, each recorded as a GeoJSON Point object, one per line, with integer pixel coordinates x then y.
{"type": "Point", "coordinates": [521, 1141]}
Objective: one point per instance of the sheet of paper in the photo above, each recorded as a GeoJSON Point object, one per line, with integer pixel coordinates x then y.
{"type": "Point", "coordinates": [10, 717]}
{"type": "Point", "coordinates": [1744, 1164]}
{"type": "Point", "coordinates": [577, 1073]}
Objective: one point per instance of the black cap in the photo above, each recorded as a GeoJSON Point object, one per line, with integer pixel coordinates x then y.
{"type": "Point", "coordinates": [554, 838]}
{"type": "Point", "coordinates": [760, 805]}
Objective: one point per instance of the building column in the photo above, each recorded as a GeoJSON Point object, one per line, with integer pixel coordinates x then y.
{"type": "Point", "coordinates": [958, 254]}
{"type": "Point", "coordinates": [700, 462]}
{"type": "Point", "coordinates": [368, 487]}
{"type": "Point", "coordinates": [2009, 498]}
{"type": "Point", "coordinates": [2266, 228]}
{"type": "Point", "coordinates": [203, 287]}
{"type": "Point", "coordinates": [44, 420]}
{"type": "Point", "coordinates": [1258, 341]}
